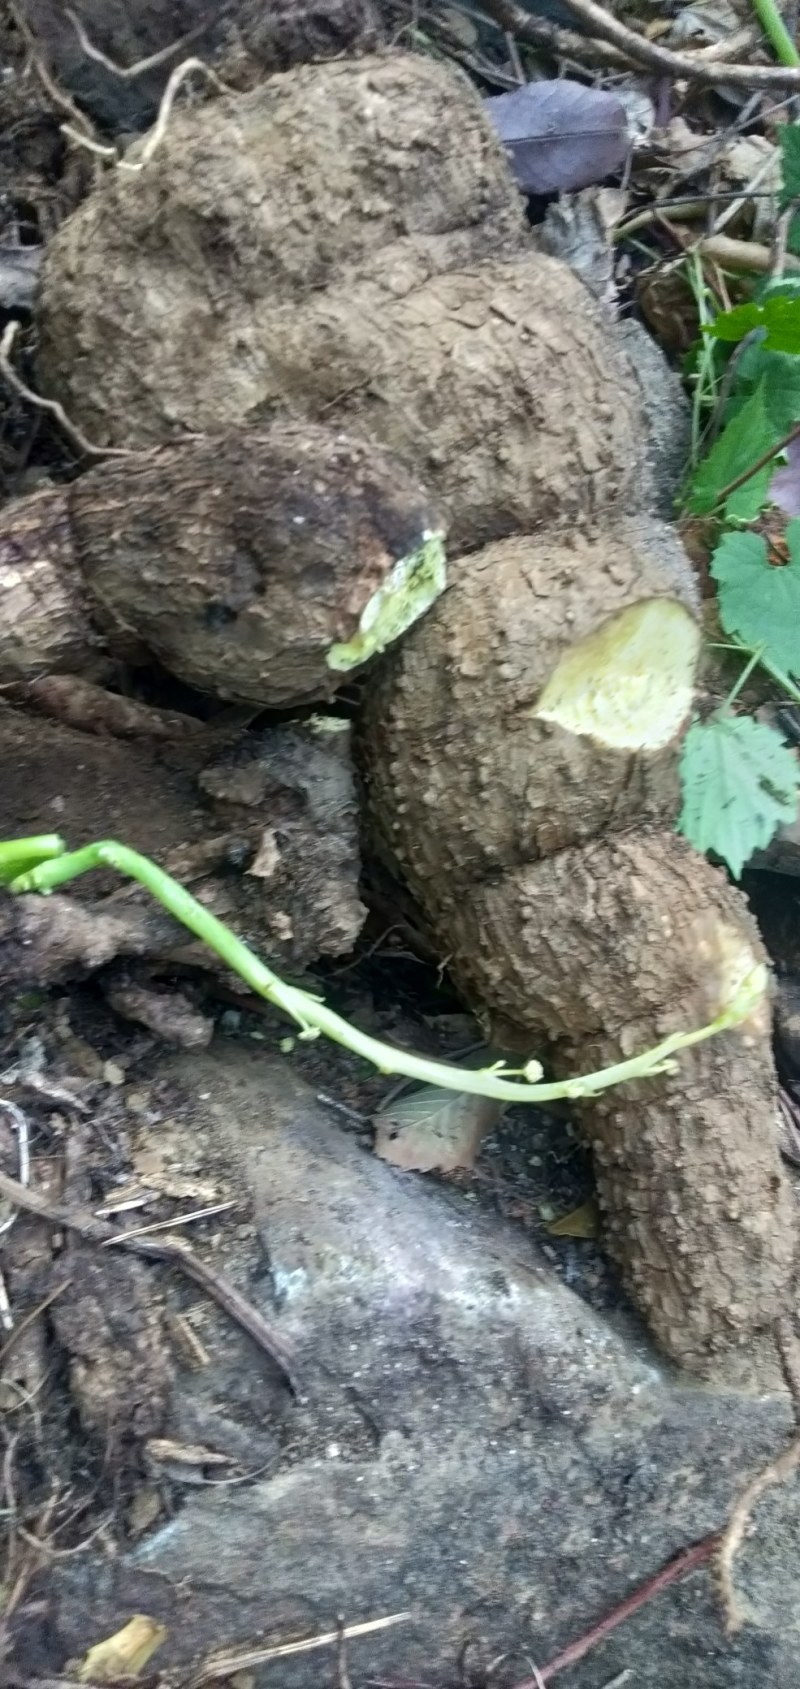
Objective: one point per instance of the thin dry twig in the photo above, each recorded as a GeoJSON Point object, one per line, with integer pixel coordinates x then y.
{"type": "Point", "coordinates": [687, 1561]}
{"type": "Point", "coordinates": [777, 1471]}
{"type": "Point", "coordinates": [127, 73]}
{"type": "Point", "coordinates": [171, 1249]}
{"type": "Point", "coordinates": [35, 1314]}
{"type": "Point", "coordinates": [748, 257]}
{"type": "Point", "coordinates": [226, 1665]}
{"type": "Point", "coordinates": [766, 457]}
{"type": "Point", "coordinates": [600, 24]}
{"type": "Point", "coordinates": [343, 1678]}
{"type": "Point", "coordinates": [168, 1225]}
{"type": "Point", "coordinates": [19, 1122]}
{"type": "Point", "coordinates": [85, 447]}
{"type": "Point", "coordinates": [58, 96]}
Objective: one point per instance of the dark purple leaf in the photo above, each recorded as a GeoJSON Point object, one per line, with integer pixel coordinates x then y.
{"type": "Point", "coordinates": [560, 135]}
{"type": "Point", "coordinates": [784, 488]}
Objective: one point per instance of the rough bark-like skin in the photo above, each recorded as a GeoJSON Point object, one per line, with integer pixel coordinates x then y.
{"type": "Point", "coordinates": [469, 377]}
{"type": "Point", "coordinates": [45, 625]}
{"type": "Point", "coordinates": [604, 952]}
{"type": "Point", "coordinates": [345, 243]}
{"type": "Point", "coordinates": [254, 200]}
{"type": "Point", "coordinates": [237, 561]}
{"type": "Point", "coordinates": [463, 781]}
{"type": "Point", "coordinates": [581, 932]}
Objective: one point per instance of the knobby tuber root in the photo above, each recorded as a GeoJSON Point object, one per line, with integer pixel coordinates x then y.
{"type": "Point", "coordinates": [520, 757]}
{"type": "Point", "coordinates": [263, 565]}
{"type": "Point", "coordinates": [347, 244]}
{"type": "Point", "coordinates": [526, 637]}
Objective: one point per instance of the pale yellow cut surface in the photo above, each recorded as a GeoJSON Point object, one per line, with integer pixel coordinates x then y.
{"type": "Point", "coordinates": [630, 683]}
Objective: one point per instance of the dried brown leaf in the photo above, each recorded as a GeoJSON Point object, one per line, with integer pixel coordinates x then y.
{"type": "Point", "coordinates": [434, 1129]}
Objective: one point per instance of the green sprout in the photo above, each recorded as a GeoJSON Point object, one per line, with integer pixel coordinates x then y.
{"type": "Point", "coordinates": [44, 863]}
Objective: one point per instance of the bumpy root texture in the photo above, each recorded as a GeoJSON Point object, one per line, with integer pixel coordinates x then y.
{"type": "Point", "coordinates": [345, 244]}
{"type": "Point", "coordinates": [262, 566]}
{"type": "Point", "coordinates": [44, 624]}
{"type": "Point", "coordinates": [260, 198]}
{"type": "Point", "coordinates": [519, 752]}
{"type": "Point", "coordinates": [498, 384]}
{"type": "Point", "coordinates": [536, 705]}
{"type": "Point", "coordinates": [605, 951]}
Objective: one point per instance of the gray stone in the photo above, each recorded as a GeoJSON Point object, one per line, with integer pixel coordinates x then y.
{"type": "Point", "coordinates": [473, 1445]}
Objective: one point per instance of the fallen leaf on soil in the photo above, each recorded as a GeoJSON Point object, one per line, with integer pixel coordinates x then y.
{"type": "Point", "coordinates": [434, 1129]}
{"type": "Point", "coordinates": [580, 1222]}
{"type": "Point", "coordinates": [560, 135]}
{"type": "Point", "coordinates": [124, 1654]}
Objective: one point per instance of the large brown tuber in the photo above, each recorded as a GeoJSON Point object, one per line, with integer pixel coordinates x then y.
{"type": "Point", "coordinates": [521, 774]}
{"type": "Point", "coordinates": [253, 565]}
{"type": "Point", "coordinates": [346, 243]}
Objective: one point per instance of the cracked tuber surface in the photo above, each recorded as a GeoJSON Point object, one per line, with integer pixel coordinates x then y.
{"type": "Point", "coordinates": [345, 244]}
{"type": "Point", "coordinates": [239, 561]}
{"type": "Point", "coordinates": [575, 921]}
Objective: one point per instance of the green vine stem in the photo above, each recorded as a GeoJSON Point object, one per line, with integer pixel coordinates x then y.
{"type": "Point", "coordinates": [314, 1017]}
{"type": "Point", "coordinates": [775, 30]}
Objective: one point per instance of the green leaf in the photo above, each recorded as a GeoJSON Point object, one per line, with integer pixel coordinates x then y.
{"type": "Point", "coordinates": [779, 374]}
{"type": "Point", "coordinates": [736, 323]}
{"type": "Point", "coordinates": [788, 136]}
{"type": "Point", "coordinates": [749, 434]}
{"type": "Point", "coordinates": [777, 314]}
{"type": "Point", "coordinates": [740, 781]}
{"type": "Point", "coordinates": [758, 604]}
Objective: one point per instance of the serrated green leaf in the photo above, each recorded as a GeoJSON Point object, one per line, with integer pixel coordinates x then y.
{"type": "Point", "coordinates": [777, 314]}
{"type": "Point", "coordinates": [779, 373]}
{"type": "Point", "coordinates": [758, 604]}
{"type": "Point", "coordinates": [749, 434]}
{"type": "Point", "coordinates": [739, 781]}
{"type": "Point", "coordinates": [788, 137]}
{"type": "Point", "coordinates": [736, 323]}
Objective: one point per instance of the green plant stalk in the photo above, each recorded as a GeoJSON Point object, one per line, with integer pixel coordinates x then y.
{"type": "Point", "coordinates": [18, 855]}
{"type": "Point", "coordinates": [313, 1016]}
{"type": "Point", "coordinates": [752, 662]}
{"type": "Point", "coordinates": [776, 32]}
{"type": "Point", "coordinates": [705, 380]}
{"type": "Point", "coordinates": [783, 680]}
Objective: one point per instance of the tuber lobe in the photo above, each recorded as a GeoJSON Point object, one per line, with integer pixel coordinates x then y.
{"type": "Point", "coordinates": [529, 805]}
{"type": "Point", "coordinates": [260, 566]}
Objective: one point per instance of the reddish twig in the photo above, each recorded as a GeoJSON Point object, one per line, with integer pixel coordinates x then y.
{"type": "Point", "coordinates": [687, 1561]}
{"type": "Point", "coordinates": [599, 23]}
{"type": "Point", "coordinates": [760, 462]}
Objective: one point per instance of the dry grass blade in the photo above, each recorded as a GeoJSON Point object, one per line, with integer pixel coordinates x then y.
{"type": "Point", "coordinates": [226, 1665]}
